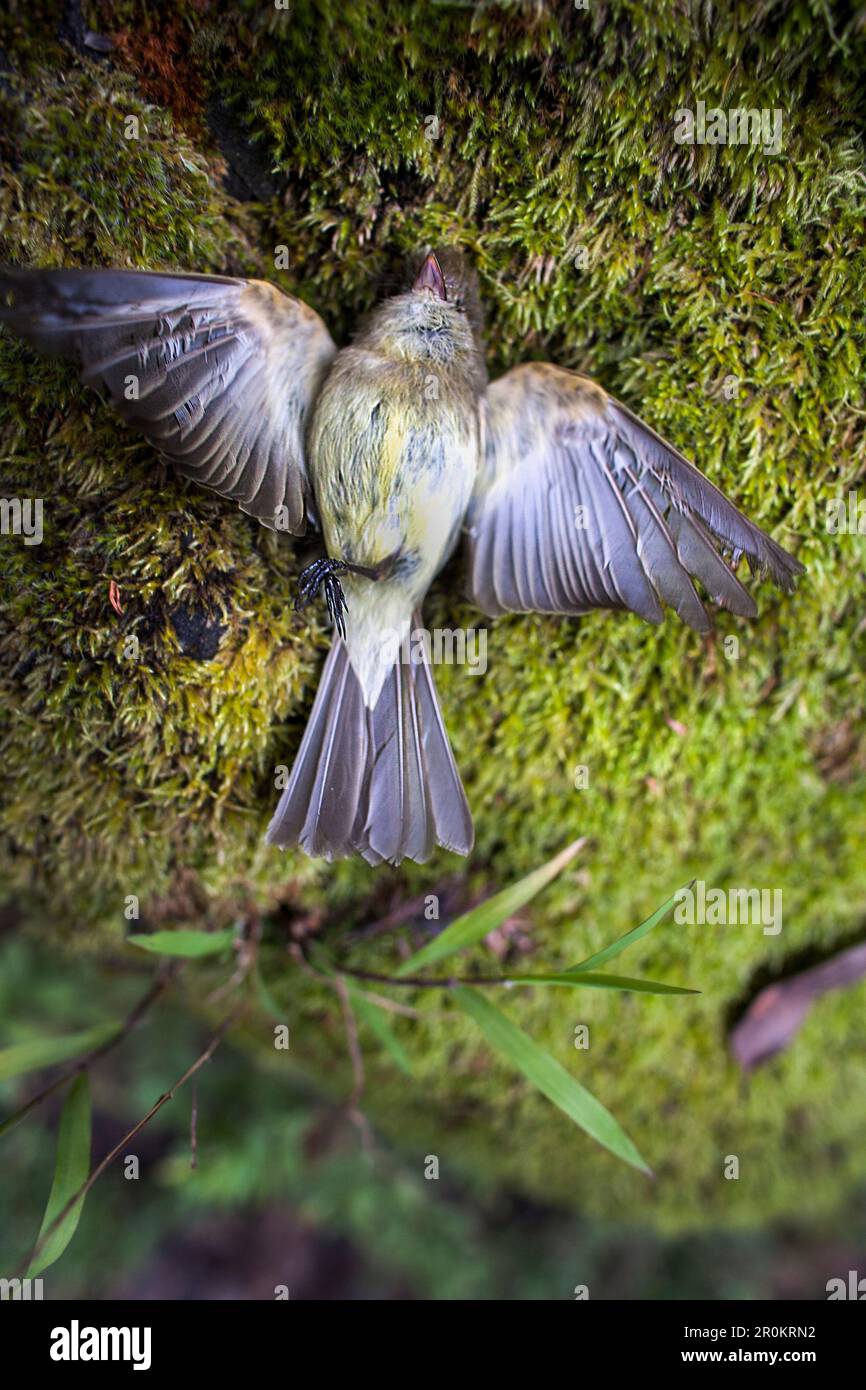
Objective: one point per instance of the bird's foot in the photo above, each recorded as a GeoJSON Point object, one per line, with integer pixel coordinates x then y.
{"type": "Point", "coordinates": [322, 574]}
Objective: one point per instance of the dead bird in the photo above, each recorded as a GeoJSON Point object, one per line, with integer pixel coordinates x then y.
{"type": "Point", "coordinates": [393, 447]}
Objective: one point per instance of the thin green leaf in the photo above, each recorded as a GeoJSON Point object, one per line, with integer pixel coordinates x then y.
{"type": "Point", "coordinates": [548, 1075]}
{"type": "Point", "coordinates": [608, 953]}
{"type": "Point", "coordinates": [44, 1052]}
{"type": "Point", "coordinates": [23, 1111]}
{"type": "Point", "coordinates": [264, 996]}
{"type": "Point", "coordinates": [473, 926]}
{"type": "Point", "coordinates": [593, 980]}
{"type": "Point", "coordinates": [188, 943]}
{"type": "Point", "coordinates": [70, 1173]}
{"type": "Point", "coordinates": [374, 1016]}
{"type": "Point", "coordinates": [321, 960]}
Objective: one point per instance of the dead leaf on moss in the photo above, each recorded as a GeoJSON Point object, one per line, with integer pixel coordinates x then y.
{"type": "Point", "coordinates": [840, 751]}
{"type": "Point", "coordinates": [774, 1018]}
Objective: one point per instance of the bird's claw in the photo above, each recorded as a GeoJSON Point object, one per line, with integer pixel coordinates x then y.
{"type": "Point", "coordinates": [336, 601]}
{"type": "Point", "coordinates": [322, 574]}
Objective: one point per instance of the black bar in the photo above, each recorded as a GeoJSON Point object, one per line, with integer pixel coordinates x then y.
{"type": "Point", "coordinates": [202, 1338]}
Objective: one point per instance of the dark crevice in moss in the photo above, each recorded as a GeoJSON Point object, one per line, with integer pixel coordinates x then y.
{"type": "Point", "coordinates": [790, 965]}
{"type": "Point", "coordinates": [248, 177]}
{"type": "Point", "coordinates": [198, 634]}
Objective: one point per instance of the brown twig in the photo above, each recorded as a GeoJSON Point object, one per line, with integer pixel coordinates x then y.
{"type": "Point", "coordinates": [352, 1039]}
{"type": "Point", "coordinates": [354, 1103]}
{"type": "Point", "coordinates": [246, 948]}
{"type": "Point", "coordinates": [397, 917]}
{"type": "Point", "coordinates": [164, 978]}
{"type": "Point", "coordinates": [204, 1056]}
{"type": "Point", "coordinates": [193, 1129]}
{"type": "Point", "coordinates": [389, 1005]}
{"type": "Point", "coordinates": [414, 981]}
{"type": "Point", "coordinates": [353, 1043]}
{"type": "Point", "coordinates": [422, 982]}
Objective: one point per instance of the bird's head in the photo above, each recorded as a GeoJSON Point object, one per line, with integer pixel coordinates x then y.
{"type": "Point", "coordinates": [435, 317]}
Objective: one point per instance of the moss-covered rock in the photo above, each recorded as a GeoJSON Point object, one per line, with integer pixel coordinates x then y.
{"type": "Point", "coordinates": [716, 289]}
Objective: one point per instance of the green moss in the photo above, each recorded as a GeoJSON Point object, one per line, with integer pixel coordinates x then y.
{"type": "Point", "coordinates": [702, 263]}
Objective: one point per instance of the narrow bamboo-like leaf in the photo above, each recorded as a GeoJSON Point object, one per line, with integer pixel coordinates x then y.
{"type": "Point", "coordinates": [548, 1075]}
{"type": "Point", "coordinates": [374, 1016]}
{"type": "Point", "coordinates": [594, 980]}
{"type": "Point", "coordinates": [23, 1111]}
{"type": "Point", "coordinates": [473, 926]}
{"type": "Point", "coordinates": [265, 998]}
{"type": "Point", "coordinates": [70, 1173]}
{"type": "Point", "coordinates": [188, 943]}
{"type": "Point", "coordinates": [608, 953]}
{"type": "Point", "coordinates": [321, 960]}
{"type": "Point", "coordinates": [44, 1052]}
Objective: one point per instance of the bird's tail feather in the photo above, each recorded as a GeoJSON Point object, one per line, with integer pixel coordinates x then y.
{"type": "Point", "coordinates": [381, 783]}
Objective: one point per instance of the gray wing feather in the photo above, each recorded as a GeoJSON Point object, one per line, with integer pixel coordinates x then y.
{"type": "Point", "coordinates": [579, 506]}
{"type": "Point", "coordinates": [219, 373]}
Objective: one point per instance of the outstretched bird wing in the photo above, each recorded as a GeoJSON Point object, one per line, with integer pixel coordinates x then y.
{"type": "Point", "coordinates": [218, 373]}
{"type": "Point", "coordinates": [579, 505]}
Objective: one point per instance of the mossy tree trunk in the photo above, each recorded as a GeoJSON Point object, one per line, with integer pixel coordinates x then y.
{"type": "Point", "coordinates": [718, 290]}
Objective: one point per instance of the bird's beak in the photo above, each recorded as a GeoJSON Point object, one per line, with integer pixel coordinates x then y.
{"type": "Point", "coordinates": [430, 277]}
